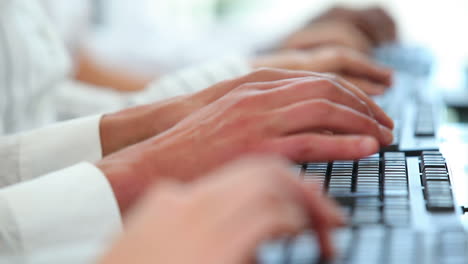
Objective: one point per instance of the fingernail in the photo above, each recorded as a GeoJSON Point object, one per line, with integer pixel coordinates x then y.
{"type": "Point", "coordinates": [391, 123]}
{"type": "Point", "coordinates": [387, 134]}
{"type": "Point", "coordinates": [368, 145]}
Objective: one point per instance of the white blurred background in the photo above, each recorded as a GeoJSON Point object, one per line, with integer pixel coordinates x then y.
{"type": "Point", "coordinates": [170, 33]}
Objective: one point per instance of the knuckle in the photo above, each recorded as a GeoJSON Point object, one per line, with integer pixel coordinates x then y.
{"type": "Point", "coordinates": [263, 71]}
{"type": "Point", "coordinates": [243, 99]}
{"type": "Point", "coordinates": [332, 91]}
{"type": "Point", "coordinates": [322, 107]}
{"type": "Point", "coordinates": [244, 87]}
{"type": "Point", "coordinates": [334, 78]}
{"type": "Point", "coordinates": [340, 54]}
{"type": "Point", "coordinates": [270, 200]}
{"type": "Point", "coordinates": [325, 82]}
{"type": "Point", "coordinates": [324, 86]}
{"type": "Point", "coordinates": [303, 85]}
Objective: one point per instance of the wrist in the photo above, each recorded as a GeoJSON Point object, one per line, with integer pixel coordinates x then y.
{"type": "Point", "coordinates": [124, 182]}
{"type": "Point", "coordinates": [128, 127]}
{"type": "Point", "coordinates": [131, 171]}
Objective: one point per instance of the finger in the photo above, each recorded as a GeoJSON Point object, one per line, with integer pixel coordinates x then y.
{"type": "Point", "coordinates": [336, 32]}
{"type": "Point", "coordinates": [324, 214]}
{"type": "Point", "coordinates": [287, 217]}
{"type": "Point", "coordinates": [261, 75]}
{"type": "Point", "coordinates": [335, 217]}
{"type": "Point", "coordinates": [287, 209]}
{"type": "Point", "coordinates": [379, 114]}
{"type": "Point", "coordinates": [270, 225]}
{"type": "Point", "coordinates": [325, 115]}
{"type": "Point", "coordinates": [386, 25]}
{"type": "Point", "coordinates": [319, 147]}
{"type": "Point", "coordinates": [354, 63]}
{"type": "Point", "coordinates": [368, 87]}
{"type": "Point", "coordinates": [270, 75]}
{"type": "Point", "coordinates": [266, 75]}
{"type": "Point", "coordinates": [286, 92]}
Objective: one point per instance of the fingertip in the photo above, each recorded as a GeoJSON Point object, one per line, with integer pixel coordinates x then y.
{"type": "Point", "coordinates": [388, 122]}
{"type": "Point", "coordinates": [377, 91]}
{"type": "Point", "coordinates": [387, 135]}
{"type": "Point", "coordinates": [326, 245]}
{"type": "Point", "coordinates": [384, 119]}
{"type": "Point", "coordinates": [384, 74]}
{"type": "Point", "coordinates": [388, 76]}
{"type": "Point", "coordinates": [368, 146]}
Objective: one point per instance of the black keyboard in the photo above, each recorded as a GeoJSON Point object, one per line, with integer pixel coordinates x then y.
{"type": "Point", "coordinates": [399, 203]}
{"type": "Point", "coordinates": [374, 192]}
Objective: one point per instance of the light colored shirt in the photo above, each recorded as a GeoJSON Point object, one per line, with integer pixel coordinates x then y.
{"type": "Point", "coordinates": [35, 74]}
{"type": "Point", "coordinates": [55, 206]}
{"type": "Point", "coordinates": [33, 64]}
{"type": "Point", "coordinates": [66, 216]}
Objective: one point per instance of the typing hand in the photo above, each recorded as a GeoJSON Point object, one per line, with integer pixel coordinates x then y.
{"type": "Point", "coordinates": [348, 63]}
{"type": "Point", "coordinates": [375, 22]}
{"type": "Point", "coordinates": [315, 118]}
{"type": "Point", "coordinates": [125, 128]}
{"type": "Point", "coordinates": [329, 32]}
{"type": "Point", "coordinates": [223, 217]}
{"type": "Point", "coordinates": [359, 29]}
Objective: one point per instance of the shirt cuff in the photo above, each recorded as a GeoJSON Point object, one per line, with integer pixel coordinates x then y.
{"type": "Point", "coordinates": [68, 216]}
{"type": "Point", "coordinates": [59, 146]}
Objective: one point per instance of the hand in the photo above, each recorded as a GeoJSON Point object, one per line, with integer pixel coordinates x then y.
{"type": "Point", "coordinates": [376, 26]}
{"type": "Point", "coordinates": [330, 32]}
{"type": "Point", "coordinates": [350, 64]}
{"type": "Point", "coordinates": [128, 127]}
{"type": "Point", "coordinates": [313, 118]}
{"type": "Point", "coordinates": [224, 217]}
{"type": "Point", "coordinates": [374, 21]}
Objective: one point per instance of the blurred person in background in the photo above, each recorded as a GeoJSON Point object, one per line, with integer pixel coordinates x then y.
{"type": "Point", "coordinates": [360, 30]}
{"type": "Point", "coordinates": [58, 97]}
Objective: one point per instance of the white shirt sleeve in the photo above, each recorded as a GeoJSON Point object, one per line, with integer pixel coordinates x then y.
{"type": "Point", "coordinates": [69, 216]}
{"type": "Point", "coordinates": [73, 99]}
{"type": "Point", "coordinates": [193, 79]}
{"type": "Point", "coordinates": [38, 152]}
